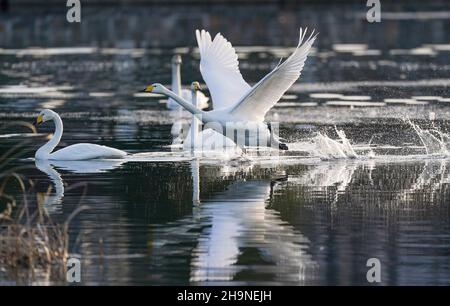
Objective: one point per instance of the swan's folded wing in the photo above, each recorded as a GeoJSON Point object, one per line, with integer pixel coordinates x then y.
{"type": "Point", "coordinates": [85, 151]}
{"type": "Point", "coordinates": [220, 69]}
{"type": "Point", "coordinates": [266, 93]}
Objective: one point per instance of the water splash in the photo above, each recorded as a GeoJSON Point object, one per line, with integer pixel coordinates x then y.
{"type": "Point", "coordinates": [327, 148]}
{"type": "Point", "coordinates": [434, 141]}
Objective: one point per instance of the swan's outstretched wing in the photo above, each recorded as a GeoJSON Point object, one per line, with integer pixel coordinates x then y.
{"type": "Point", "coordinates": [266, 93]}
{"type": "Point", "coordinates": [220, 69]}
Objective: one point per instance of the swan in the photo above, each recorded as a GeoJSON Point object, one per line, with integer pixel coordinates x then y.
{"type": "Point", "coordinates": [207, 139]}
{"type": "Point", "coordinates": [177, 89]}
{"type": "Point", "coordinates": [178, 132]}
{"type": "Point", "coordinates": [237, 106]}
{"type": "Point", "coordinates": [79, 151]}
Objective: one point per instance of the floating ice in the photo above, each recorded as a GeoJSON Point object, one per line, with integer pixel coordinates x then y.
{"type": "Point", "coordinates": [349, 47]}
{"type": "Point", "coordinates": [369, 52]}
{"type": "Point", "coordinates": [296, 104]}
{"type": "Point", "coordinates": [427, 98]}
{"type": "Point", "coordinates": [101, 94]}
{"type": "Point", "coordinates": [289, 97]}
{"type": "Point", "coordinates": [355, 103]}
{"type": "Point", "coordinates": [355, 98]}
{"type": "Point", "coordinates": [325, 95]}
{"type": "Point", "coordinates": [400, 101]}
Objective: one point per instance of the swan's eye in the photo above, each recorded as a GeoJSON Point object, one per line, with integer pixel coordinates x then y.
{"type": "Point", "coordinates": [149, 88]}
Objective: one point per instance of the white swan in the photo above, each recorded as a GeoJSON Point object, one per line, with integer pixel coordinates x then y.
{"type": "Point", "coordinates": [176, 87]}
{"type": "Point", "coordinates": [207, 139]}
{"type": "Point", "coordinates": [79, 151]}
{"type": "Point", "coordinates": [237, 106]}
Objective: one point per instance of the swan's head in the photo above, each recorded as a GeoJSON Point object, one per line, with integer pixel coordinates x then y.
{"type": "Point", "coordinates": [155, 88]}
{"type": "Point", "coordinates": [44, 115]}
{"type": "Point", "coordinates": [176, 59]}
{"type": "Point", "coordinates": [195, 86]}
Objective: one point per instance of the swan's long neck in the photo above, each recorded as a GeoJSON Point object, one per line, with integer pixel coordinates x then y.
{"type": "Point", "coordinates": [176, 79]}
{"type": "Point", "coordinates": [188, 106]}
{"type": "Point", "coordinates": [45, 150]}
{"type": "Point", "coordinates": [195, 121]}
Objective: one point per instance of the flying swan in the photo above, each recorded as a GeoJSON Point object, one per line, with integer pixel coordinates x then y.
{"type": "Point", "coordinates": [79, 151]}
{"type": "Point", "coordinates": [237, 105]}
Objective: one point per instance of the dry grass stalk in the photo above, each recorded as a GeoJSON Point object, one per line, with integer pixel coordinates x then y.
{"type": "Point", "coordinates": [31, 242]}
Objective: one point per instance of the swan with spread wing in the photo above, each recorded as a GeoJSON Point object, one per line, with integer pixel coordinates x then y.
{"type": "Point", "coordinates": [237, 105]}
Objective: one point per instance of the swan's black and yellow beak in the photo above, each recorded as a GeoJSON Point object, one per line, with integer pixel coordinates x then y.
{"type": "Point", "coordinates": [38, 120]}
{"type": "Point", "coordinates": [196, 86]}
{"type": "Point", "coordinates": [149, 88]}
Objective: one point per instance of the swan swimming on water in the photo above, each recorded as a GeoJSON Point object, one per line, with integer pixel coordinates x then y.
{"type": "Point", "coordinates": [177, 131]}
{"type": "Point", "coordinates": [79, 151]}
{"type": "Point", "coordinates": [237, 106]}
{"type": "Point", "coordinates": [207, 139]}
{"type": "Point", "coordinates": [182, 92]}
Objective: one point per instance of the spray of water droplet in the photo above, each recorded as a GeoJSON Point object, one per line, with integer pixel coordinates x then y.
{"type": "Point", "coordinates": [327, 148]}
{"type": "Point", "coordinates": [434, 140]}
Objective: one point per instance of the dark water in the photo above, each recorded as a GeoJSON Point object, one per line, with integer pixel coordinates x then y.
{"type": "Point", "coordinates": [165, 218]}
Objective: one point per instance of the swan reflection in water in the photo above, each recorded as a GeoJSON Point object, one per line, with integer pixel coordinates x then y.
{"type": "Point", "coordinates": [243, 233]}
{"type": "Point", "coordinates": [237, 231]}
{"type": "Point", "coordinates": [52, 202]}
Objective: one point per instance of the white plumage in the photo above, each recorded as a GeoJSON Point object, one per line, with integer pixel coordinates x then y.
{"type": "Point", "coordinates": [84, 151]}
{"type": "Point", "coordinates": [79, 151]}
{"type": "Point", "coordinates": [219, 66]}
{"type": "Point", "coordinates": [183, 92]}
{"type": "Point", "coordinates": [236, 105]}
{"type": "Point", "coordinates": [267, 92]}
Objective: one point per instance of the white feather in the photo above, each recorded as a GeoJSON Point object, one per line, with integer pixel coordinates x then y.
{"type": "Point", "coordinates": [186, 94]}
{"type": "Point", "coordinates": [267, 92]}
{"type": "Point", "coordinates": [220, 69]}
{"type": "Point", "coordinates": [235, 103]}
{"type": "Point", "coordinates": [84, 151]}
{"type": "Point", "coordinates": [80, 151]}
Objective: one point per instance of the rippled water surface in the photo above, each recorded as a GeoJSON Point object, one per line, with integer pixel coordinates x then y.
{"type": "Point", "coordinates": [311, 216]}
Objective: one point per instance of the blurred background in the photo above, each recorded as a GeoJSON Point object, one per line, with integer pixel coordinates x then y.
{"type": "Point", "coordinates": [307, 218]}
{"type": "Point", "coordinates": [147, 23]}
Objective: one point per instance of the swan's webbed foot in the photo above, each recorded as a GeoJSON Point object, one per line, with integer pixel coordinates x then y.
{"type": "Point", "coordinates": [283, 146]}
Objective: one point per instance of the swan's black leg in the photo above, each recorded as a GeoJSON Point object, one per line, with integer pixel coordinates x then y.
{"type": "Point", "coordinates": [283, 146]}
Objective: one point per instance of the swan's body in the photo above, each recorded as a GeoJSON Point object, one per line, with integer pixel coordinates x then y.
{"type": "Point", "coordinates": [208, 139]}
{"type": "Point", "coordinates": [186, 94]}
{"type": "Point", "coordinates": [182, 92]}
{"type": "Point", "coordinates": [80, 151]}
{"type": "Point", "coordinates": [237, 106]}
